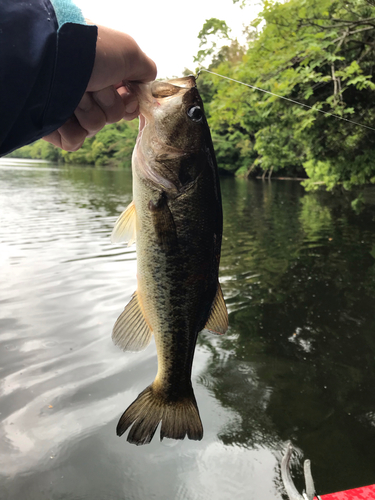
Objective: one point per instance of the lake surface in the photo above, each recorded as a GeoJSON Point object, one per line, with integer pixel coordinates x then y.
{"type": "Point", "coordinates": [298, 362]}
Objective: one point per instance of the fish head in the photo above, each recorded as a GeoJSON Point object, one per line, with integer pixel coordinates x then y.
{"type": "Point", "coordinates": [171, 148]}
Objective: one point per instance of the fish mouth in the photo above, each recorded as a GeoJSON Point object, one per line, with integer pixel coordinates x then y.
{"type": "Point", "coordinates": [170, 88]}
{"type": "Point", "coordinates": [186, 82]}
{"type": "Point", "coordinates": [151, 95]}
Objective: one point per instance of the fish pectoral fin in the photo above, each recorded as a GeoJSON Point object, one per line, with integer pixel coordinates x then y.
{"type": "Point", "coordinates": [125, 226]}
{"type": "Point", "coordinates": [218, 319]}
{"type": "Point", "coordinates": [131, 332]}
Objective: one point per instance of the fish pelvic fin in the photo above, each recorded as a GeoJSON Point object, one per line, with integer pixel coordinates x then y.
{"type": "Point", "coordinates": [131, 332]}
{"type": "Point", "coordinates": [218, 319]}
{"type": "Point", "coordinates": [125, 226]}
{"type": "Point", "coordinates": [179, 418]}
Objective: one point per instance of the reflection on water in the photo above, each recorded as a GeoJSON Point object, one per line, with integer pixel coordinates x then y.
{"type": "Point", "coordinates": [298, 275]}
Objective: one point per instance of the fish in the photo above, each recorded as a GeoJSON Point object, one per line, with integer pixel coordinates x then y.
{"type": "Point", "coordinates": [176, 220]}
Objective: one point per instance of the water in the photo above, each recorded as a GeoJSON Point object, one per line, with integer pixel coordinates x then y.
{"type": "Point", "coordinates": [298, 275]}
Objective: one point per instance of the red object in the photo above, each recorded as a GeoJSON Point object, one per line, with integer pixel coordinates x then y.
{"type": "Point", "coordinates": [365, 493]}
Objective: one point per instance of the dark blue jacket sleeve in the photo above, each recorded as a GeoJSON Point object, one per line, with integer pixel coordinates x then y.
{"type": "Point", "coordinates": [44, 70]}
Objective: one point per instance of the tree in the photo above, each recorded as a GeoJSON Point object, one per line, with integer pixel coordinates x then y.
{"type": "Point", "coordinates": [317, 52]}
{"type": "Point", "coordinates": [113, 145]}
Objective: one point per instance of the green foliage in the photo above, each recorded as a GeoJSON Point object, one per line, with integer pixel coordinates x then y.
{"type": "Point", "coordinates": [40, 150]}
{"type": "Point", "coordinates": [320, 53]}
{"type": "Point", "coordinates": [112, 146]}
{"type": "Point", "coordinates": [358, 204]}
{"type": "Point", "coordinates": [211, 27]}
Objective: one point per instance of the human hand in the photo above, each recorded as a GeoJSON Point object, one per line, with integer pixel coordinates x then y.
{"type": "Point", "coordinates": [107, 100]}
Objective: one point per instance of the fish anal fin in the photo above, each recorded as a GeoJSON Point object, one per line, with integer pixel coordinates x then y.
{"type": "Point", "coordinates": [218, 319]}
{"type": "Point", "coordinates": [131, 331]}
{"type": "Point", "coordinates": [125, 226]}
{"type": "Point", "coordinates": [178, 418]}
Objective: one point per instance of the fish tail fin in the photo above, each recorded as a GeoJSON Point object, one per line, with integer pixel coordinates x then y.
{"type": "Point", "coordinates": [179, 417]}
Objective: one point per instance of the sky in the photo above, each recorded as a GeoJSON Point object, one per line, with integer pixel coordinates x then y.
{"type": "Point", "coordinates": [167, 30]}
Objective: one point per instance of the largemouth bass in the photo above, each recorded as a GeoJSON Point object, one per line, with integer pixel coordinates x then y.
{"type": "Point", "coordinates": [176, 220]}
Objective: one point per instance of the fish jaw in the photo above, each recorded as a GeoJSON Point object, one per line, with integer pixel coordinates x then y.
{"type": "Point", "coordinates": [142, 123]}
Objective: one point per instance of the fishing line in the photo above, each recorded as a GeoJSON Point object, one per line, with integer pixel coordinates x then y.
{"type": "Point", "coordinates": [287, 99]}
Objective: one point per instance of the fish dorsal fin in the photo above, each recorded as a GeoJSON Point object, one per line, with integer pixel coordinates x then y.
{"type": "Point", "coordinates": [131, 332]}
{"type": "Point", "coordinates": [125, 227]}
{"type": "Point", "coordinates": [218, 319]}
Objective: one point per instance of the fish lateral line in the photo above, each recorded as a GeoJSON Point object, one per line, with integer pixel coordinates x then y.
{"type": "Point", "coordinates": [327, 113]}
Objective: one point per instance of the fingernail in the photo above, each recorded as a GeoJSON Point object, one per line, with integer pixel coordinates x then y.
{"type": "Point", "coordinates": [131, 107]}
{"type": "Point", "coordinates": [106, 97]}
{"type": "Point", "coordinates": [85, 103]}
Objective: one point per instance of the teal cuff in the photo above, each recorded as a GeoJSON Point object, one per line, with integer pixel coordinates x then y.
{"type": "Point", "coordinates": [67, 12]}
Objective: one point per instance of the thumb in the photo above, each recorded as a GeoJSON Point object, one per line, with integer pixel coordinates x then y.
{"type": "Point", "coordinates": [119, 58]}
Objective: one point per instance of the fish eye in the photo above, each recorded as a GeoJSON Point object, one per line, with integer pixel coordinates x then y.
{"type": "Point", "coordinates": [195, 113]}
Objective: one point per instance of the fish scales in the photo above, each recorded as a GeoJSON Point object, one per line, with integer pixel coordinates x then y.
{"type": "Point", "coordinates": [177, 218]}
{"type": "Point", "coordinates": [180, 281]}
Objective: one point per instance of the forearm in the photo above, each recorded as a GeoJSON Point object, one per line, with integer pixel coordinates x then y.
{"type": "Point", "coordinates": [46, 63]}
